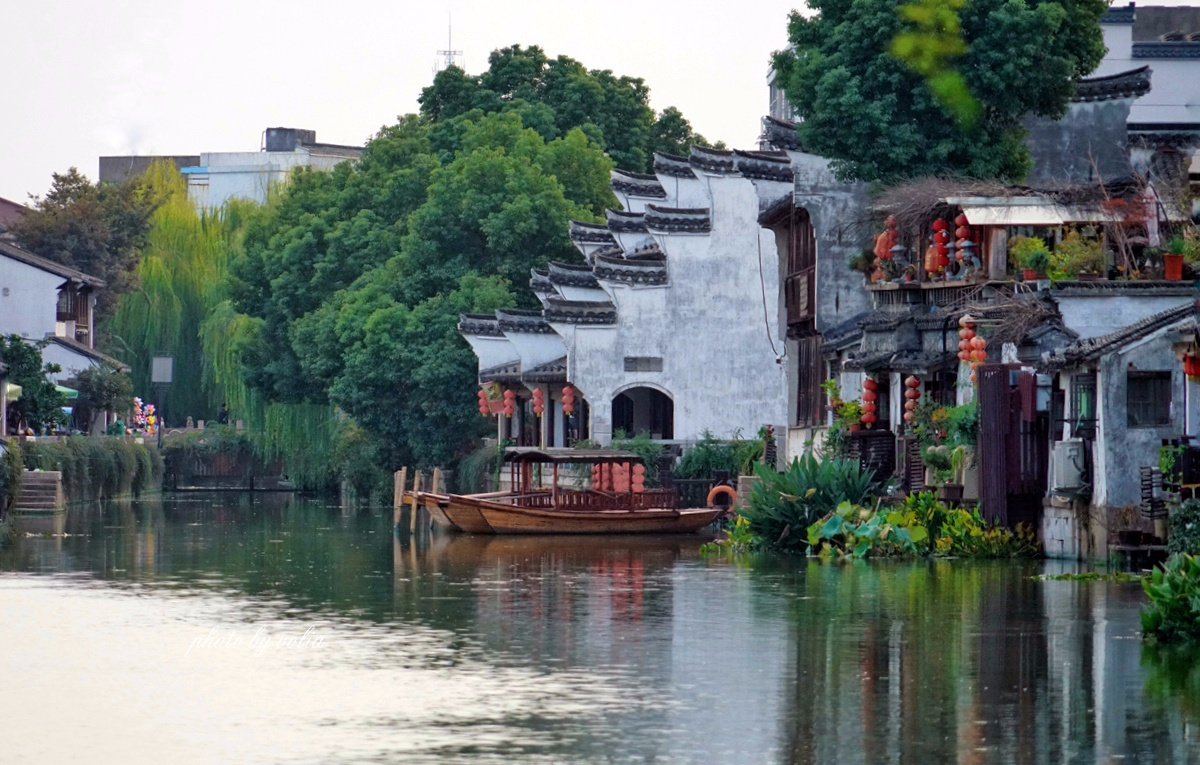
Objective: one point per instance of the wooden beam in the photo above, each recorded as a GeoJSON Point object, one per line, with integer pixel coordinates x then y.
{"type": "Point", "coordinates": [416, 489]}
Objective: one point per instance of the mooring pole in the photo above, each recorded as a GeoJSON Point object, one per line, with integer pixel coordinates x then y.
{"type": "Point", "coordinates": [412, 521]}
{"type": "Point", "coordinates": [398, 481]}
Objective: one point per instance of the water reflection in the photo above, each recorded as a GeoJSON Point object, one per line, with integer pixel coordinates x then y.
{"type": "Point", "coordinates": [579, 649]}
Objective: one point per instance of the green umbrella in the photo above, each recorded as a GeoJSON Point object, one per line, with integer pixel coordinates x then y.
{"type": "Point", "coordinates": [67, 392]}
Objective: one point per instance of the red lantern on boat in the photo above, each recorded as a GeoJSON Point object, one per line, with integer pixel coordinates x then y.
{"type": "Point", "coordinates": [639, 478]}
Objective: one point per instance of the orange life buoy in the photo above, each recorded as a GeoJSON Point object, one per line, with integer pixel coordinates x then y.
{"type": "Point", "coordinates": [722, 490]}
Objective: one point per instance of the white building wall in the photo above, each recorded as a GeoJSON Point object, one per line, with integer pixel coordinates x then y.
{"type": "Point", "coordinates": [71, 361]}
{"type": "Point", "coordinates": [1092, 316]}
{"type": "Point", "coordinates": [222, 176]}
{"type": "Point", "coordinates": [707, 325]}
{"type": "Point", "coordinates": [28, 299]}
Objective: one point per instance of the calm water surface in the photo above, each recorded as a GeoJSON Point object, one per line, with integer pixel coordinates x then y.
{"type": "Point", "coordinates": [217, 629]}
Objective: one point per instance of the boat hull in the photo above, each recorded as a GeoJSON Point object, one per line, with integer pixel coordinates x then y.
{"type": "Point", "coordinates": [481, 516]}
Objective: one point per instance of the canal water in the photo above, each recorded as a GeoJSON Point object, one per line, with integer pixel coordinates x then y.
{"type": "Point", "coordinates": [230, 629]}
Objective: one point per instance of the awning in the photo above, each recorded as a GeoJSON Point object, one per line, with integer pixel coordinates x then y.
{"type": "Point", "coordinates": [11, 392]}
{"type": "Point", "coordinates": [67, 392]}
{"type": "Point", "coordinates": [1018, 211]}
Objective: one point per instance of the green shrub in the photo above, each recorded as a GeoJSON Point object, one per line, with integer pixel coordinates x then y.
{"type": "Point", "coordinates": [1184, 528]}
{"type": "Point", "coordinates": [710, 455]}
{"type": "Point", "coordinates": [783, 505]}
{"type": "Point", "coordinates": [359, 465]}
{"type": "Point", "coordinates": [643, 446]}
{"type": "Point", "coordinates": [478, 472]}
{"type": "Point", "coordinates": [96, 468]}
{"type": "Point", "coordinates": [11, 469]}
{"type": "Point", "coordinates": [1173, 614]}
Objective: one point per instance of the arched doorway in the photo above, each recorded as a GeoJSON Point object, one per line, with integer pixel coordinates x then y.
{"type": "Point", "coordinates": [644, 410]}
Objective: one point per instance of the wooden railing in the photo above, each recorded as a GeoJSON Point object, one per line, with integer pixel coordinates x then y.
{"type": "Point", "coordinates": [597, 500]}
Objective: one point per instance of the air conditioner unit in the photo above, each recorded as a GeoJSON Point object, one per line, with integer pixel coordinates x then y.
{"type": "Point", "coordinates": [1067, 464]}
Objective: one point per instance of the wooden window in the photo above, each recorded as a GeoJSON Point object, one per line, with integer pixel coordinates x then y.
{"type": "Point", "coordinates": [1148, 399]}
{"type": "Point", "coordinates": [810, 373]}
{"type": "Point", "coordinates": [798, 284]}
{"type": "Point", "coordinates": [66, 304]}
{"type": "Point", "coordinates": [1083, 406]}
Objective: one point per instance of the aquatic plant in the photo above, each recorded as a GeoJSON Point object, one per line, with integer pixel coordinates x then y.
{"type": "Point", "coordinates": [853, 531]}
{"type": "Point", "coordinates": [783, 505]}
{"type": "Point", "coordinates": [736, 539]}
{"type": "Point", "coordinates": [1173, 614]}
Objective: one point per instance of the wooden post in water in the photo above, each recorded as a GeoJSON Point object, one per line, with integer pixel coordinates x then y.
{"type": "Point", "coordinates": [399, 480]}
{"type": "Point", "coordinates": [416, 488]}
{"type": "Point", "coordinates": [435, 485]}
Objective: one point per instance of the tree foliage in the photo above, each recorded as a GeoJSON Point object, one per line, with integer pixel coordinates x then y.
{"type": "Point", "coordinates": [102, 388]}
{"type": "Point", "coordinates": [98, 229]}
{"type": "Point", "coordinates": [555, 96]}
{"type": "Point", "coordinates": [40, 404]}
{"type": "Point", "coordinates": [879, 117]}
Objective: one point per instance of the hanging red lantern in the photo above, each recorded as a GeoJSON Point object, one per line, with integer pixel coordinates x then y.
{"type": "Point", "coordinates": [912, 394]}
{"type": "Point", "coordinates": [941, 250]}
{"type": "Point", "coordinates": [961, 220]}
{"type": "Point", "coordinates": [568, 399]}
{"type": "Point", "coordinates": [910, 406]}
{"type": "Point", "coordinates": [962, 232]}
{"type": "Point", "coordinates": [868, 419]}
{"type": "Point", "coordinates": [964, 355]}
{"type": "Point", "coordinates": [912, 381]}
{"type": "Point", "coordinates": [940, 225]}
{"type": "Point", "coordinates": [941, 237]}
{"type": "Point", "coordinates": [539, 404]}
{"type": "Point", "coordinates": [978, 343]}
{"type": "Point", "coordinates": [869, 396]}
{"type": "Point", "coordinates": [978, 355]}
{"type": "Point", "coordinates": [909, 416]}
{"type": "Point", "coordinates": [870, 384]}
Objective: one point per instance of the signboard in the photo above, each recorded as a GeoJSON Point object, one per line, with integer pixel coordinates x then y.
{"type": "Point", "coordinates": [162, 369]}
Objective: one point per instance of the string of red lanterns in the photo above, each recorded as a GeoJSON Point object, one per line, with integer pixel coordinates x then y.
{"type": "Point", "coordinates": [568, 399]}
{"type": "Point", "coordinates": [912, 394]}
{"type": "Point", "coordinates": [510, 403]}
{"type": "Point", "coordinates": [539, 405]}
{"type": "Point", "coordinates": [869, 398]}
{"type": "Point", "coordinates": [484, 408]}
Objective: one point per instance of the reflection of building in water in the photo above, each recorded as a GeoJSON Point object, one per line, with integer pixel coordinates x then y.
{"type": "Point", "coordinates": [691, 650]}
{"type": "Point", "coordinates": [971, 663]}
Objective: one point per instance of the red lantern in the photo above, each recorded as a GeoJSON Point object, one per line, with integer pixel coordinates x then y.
{"type": "Point", "coordinates": [961, 220]}
{"type": "Point", "coordinates": [964, 355]}
{"type": "Point", "coordinates": [941, 250]}
{"type": "Point", "coordinates": [909, 416]}
{"type": "Point", "coordinates": [870, 384]}
{"type": "Point", "coordinates": [940, 225]}
{"type": "Point", "coordinates": [568, 399]}
{"type": "Point", "coordinates": [890, 221]}
{"type": "Point", "coordinates": [910, 406]}
{"type": "Point", "coordinates": [912, 394]}
{"type": "Point", "coordinates": [912, 382]}
{"type": "Point", "coordinates": [978, 343]}
{"type": "Point", "coordinates": [962, 232]}
{"type": "Point", "coordinates": [869, 396]}
{"type": "Point", "coordinates": [941, 237]}
{"type": "Point", "coordinates": [978, 355]}
{"type": "Point", "coordinates": [868, 419]}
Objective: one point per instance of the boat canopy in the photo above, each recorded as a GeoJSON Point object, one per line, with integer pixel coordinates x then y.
{"type": "Point", "coordinates": [532, 454]}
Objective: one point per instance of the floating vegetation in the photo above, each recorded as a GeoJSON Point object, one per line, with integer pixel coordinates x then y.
{"type": "Point", "coordinates": [1092, 576]}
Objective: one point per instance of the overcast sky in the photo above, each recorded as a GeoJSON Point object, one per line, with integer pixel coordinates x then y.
{"type": "Point", "coordinates": [84, 78]}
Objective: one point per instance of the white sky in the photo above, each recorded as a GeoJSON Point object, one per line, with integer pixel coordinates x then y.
{"type": "Point", "coordinates": [84, 78]}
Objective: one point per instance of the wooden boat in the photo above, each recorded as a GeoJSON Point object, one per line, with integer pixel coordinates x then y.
{"type": "Point", "coordinates": [532, 509]}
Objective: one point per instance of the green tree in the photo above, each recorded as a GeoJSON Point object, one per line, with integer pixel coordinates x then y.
{"type": "Point", "coordinates": [102, 389]}
{"type": "Point", "coordinates": [40, 404]}
{"type": "Point", "coordinates": [96, 228]}
{"type": "Point", "coordinates": [879, 118]}
{"type": "Point", "coordinates": [555, 96]}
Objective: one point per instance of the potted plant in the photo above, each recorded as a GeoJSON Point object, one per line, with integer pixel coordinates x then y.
{"type": "Point", "coordinates": [1173, 252]}
{"type": "Point", "coordinates": [850, 414]}
{"type": "Point", "coordinates": [1035, 264]}
{"type": "Point", "coordinates": [942, 463]}
{"type": "Point", "coordinates": [1078, 257]}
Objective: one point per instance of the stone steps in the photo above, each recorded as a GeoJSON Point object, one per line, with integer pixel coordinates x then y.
{"type": "Point", "coordinates": [41, 492]}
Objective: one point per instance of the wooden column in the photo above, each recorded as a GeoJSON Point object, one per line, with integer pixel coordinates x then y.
{"type": "Point", "coordinates": [416, 489]}
{"type": "Point", "coordinates": [398, 481]}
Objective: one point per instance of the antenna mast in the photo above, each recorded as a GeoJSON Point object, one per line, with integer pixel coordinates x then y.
{"type": "Point", "coordinates": [450, 57]}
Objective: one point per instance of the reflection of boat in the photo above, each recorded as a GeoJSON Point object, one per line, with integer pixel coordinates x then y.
{"type": "Point", "coordinates": [625, 508]}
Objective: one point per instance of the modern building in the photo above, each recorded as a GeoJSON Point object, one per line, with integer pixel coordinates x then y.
{"type": "Point", "coordinates": [213, 178]}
